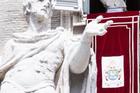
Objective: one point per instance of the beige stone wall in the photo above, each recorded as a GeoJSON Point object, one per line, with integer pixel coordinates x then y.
{"type": "Point", "coordinates": [11, 20]}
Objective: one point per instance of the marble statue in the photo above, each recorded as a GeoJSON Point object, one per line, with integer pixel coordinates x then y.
{"type": "Point", "coordinates": [39, 60]}
{"type": "Point", "coordinates": [114, 5]}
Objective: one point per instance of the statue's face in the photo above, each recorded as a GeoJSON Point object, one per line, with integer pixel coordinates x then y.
{"type": "Point", "coordinates": [42, 9]}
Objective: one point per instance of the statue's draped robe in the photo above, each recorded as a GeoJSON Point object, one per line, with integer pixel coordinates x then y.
{"type": "Point", "coordinates": [62, 79]}
{"type": "Point", "coordinates": [89, 83]}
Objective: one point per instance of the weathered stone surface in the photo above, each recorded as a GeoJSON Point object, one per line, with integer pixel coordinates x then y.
{"type": "Point", "coordinates": [11, 19]}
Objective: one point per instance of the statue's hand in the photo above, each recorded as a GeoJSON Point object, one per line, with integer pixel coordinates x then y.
{"type": "Point", "coordinates": [95, 28]}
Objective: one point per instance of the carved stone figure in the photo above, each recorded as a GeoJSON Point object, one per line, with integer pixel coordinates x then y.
{"type": "Point", "coordinates": [39, 60]}
{"type": "Point", "coordinates": [114, 5]}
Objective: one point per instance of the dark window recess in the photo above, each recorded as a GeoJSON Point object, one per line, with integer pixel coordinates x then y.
{"type": "Point", "coordinates": [133, 5]}
{"type": "Point", "coordinates": [97, 7]}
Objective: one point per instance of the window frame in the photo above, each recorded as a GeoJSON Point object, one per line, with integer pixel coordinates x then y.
{"type": "Point", "coordinates": [69, 5]}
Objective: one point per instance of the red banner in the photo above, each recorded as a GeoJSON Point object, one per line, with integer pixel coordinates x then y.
{"type": "Point", "coordinates": [121, 39]}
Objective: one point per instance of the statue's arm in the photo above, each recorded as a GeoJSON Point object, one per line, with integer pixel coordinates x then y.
{"type": "Point", "coordinates": [79, 57]}
{"type": "Point", "coordinates": [8, 53]}
{"type": "Point", "coordinates": [6, 58]}
{"type": "Point", "coordinates": [80, 54]}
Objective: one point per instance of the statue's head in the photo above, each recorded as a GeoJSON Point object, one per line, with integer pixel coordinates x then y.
{"type": "Point", "coordinates": [41, 9]}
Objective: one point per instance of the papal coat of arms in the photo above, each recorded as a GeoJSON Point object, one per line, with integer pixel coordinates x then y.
{"type": "Point", "coordinates": [112, 72]}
